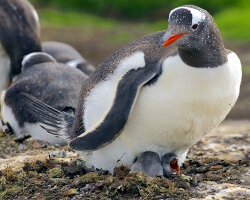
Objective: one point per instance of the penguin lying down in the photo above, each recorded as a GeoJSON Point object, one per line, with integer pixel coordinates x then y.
{"type": "Point", "coordinates": [146, 97]}
{"type": "Point", "coordinates": [54, 83]}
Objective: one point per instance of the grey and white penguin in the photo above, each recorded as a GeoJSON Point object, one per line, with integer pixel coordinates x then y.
{"type": "Point", "coordinates": [19, 36]}
{"type": "Point", "coordinates": [56, 84]}
{"type": "Point", "coordinates": [151, 164]}
{"type": "Point", "coordinates": [148, 162]}
{"type": "Point", "coordinates": [146, 97]}
{"type": "Point", "coordinates": [65, 53]}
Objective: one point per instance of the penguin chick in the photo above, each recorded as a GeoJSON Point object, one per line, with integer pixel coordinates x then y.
{"type": "Point", "coordinates": [53, 83]}
{"type": "Point", "coordinates": [170, 164]}
{"type": "Point", "coordinates": [148, 162]}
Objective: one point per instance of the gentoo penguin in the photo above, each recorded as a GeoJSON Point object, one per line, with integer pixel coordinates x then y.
{"type": "Point", "coordinates": [54, 83]}
{"type": "Point", "coordinates": [68, 55]}
{"type": "Point", "coordinates": [19, 36]}
{"type": "Point", "coordinates": [160, 93]}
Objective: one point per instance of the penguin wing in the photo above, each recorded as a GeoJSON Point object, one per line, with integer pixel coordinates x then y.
{"type": "Point", "coordinates": [115, 120]}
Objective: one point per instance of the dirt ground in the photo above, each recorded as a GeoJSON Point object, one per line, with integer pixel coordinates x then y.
{"type": "Point", "coordinates": [216, 168]}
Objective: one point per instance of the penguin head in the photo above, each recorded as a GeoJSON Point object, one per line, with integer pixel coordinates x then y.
{"type": "Point", "coordinates": [82, 65]}
{"type": "Point", "coordinates": [170, 164]}
{"type": "Point", "coordinates": [190, 27]}
{"type": "Point", "coordinates": [36, 58]}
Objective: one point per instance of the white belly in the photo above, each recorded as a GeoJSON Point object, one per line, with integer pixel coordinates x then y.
{"type": "Point", "coordinates": [185, 104]}
{"type": "Point", "coordinates": [34, 129]}
{"type": "Point", "coordinates": [4, 68]}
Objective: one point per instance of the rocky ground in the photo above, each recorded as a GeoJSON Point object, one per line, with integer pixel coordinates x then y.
{"type": "Point", "coordinates": [216, 168]}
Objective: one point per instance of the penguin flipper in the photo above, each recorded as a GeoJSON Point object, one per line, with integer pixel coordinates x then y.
{"type": "Point", "coordinates": [53, 121]}
{"type": "Point", "coordinates": [115, 120]}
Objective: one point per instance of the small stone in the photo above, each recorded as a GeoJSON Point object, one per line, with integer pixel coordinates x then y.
{"type": "Point", "coordinates": [186, 178]}
{"type": "Point", "coordinates": [88, 187]}
{"type": "Point", "coordinates": [44, 146]}
{"type": "Point", "coordinates": [36, 144]}
{"type": "Point", "coordinates": [58, 154]}
{"type": "Point", "coordinates": [247, 180]}
{"type": "Point", "coordinates": [213, 177]}
{"type": "Point", "coordinates": [202, 169]}
{"type": "Point", "coordinates": [215, 167]}
{"type": "Point", "coordinates": [70, 192]}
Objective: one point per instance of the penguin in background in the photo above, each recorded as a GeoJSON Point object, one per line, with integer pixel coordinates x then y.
{"type": "Point", "coordinates": [65, 53]}
{"type": "Point", "coordinates": [19, 36]}
{"type": "Point", "coordinates": [56, 84]}
{"type": "Point", "coordinates": [161, 93]}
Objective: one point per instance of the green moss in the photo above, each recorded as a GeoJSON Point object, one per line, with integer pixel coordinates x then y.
{"type": "Point", "coordinates": [11, 192]}
{"type": "Point", "coordinates": [56, 172]}
{"type": "Point", "coordinates": [2, 183]}
{"type": "Point", "coordinates": [88, 178]}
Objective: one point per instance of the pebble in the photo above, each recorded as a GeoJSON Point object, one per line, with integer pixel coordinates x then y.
{"type": "Point", "coordinates": [58, 154]}
{"type": "Point", "coordinates": [213, 177]}
{"type": "Point", "coordinates": [71, 192]}
{"type": "Point", "coordinates": [215, 167]}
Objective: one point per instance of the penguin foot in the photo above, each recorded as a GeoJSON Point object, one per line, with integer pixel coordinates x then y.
{"type": "Point", "coordinates": [22, 137]}
{"type": "Point", "coordinates": [148, 162]}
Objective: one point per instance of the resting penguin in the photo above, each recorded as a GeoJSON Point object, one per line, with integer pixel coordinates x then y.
{"type": "Point", "coordinates": [19, 36]}
{"type": "Point", "coordinates": [66, 54]}
{"type": "Point", "coordinates": [53, 83]}
{"type": "Point", "coordinates": [161, 93]}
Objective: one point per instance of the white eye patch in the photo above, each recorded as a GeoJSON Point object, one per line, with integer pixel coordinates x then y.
{"type": "Point", "coordinates": [197, 16]}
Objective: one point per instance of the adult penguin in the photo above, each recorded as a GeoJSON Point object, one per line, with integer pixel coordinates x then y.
{"type": "Point", "coordinates": [149, 98]}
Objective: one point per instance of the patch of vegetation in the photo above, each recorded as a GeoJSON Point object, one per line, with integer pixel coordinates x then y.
{"type": "Point", "coordinates": [233, 23]}
{"type": "Point", "coordinates": [52, 17]}
{"type": "Point", "coordinates": [246, 70]}
{"type": "Point", "coordinates": [137, 9]}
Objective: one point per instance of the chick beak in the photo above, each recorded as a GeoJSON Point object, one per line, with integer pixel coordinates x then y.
{"type": "Point", "coordinates": [175, 167]}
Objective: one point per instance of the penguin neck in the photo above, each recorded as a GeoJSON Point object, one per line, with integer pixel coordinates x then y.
{"type": "Point", "coordinates": [205, 53]}
{"type": "Point", "coordinates": [209, 55]}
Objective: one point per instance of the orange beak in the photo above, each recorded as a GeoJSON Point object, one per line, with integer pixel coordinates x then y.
{"type": "Point", "coordinates": [172, 39]}
{"type": "Point", "coordinates": [175, 167]}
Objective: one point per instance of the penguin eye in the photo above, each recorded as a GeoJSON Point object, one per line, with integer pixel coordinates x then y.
{"type": "Point", "coordinates": [194, 26]}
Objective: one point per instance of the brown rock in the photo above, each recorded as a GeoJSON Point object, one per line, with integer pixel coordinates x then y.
{"type": "Point", "coordinates": [215, 167]}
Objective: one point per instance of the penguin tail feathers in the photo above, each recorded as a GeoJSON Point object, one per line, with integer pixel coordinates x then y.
{"type": "Point", "coordinates": [53, 121]}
